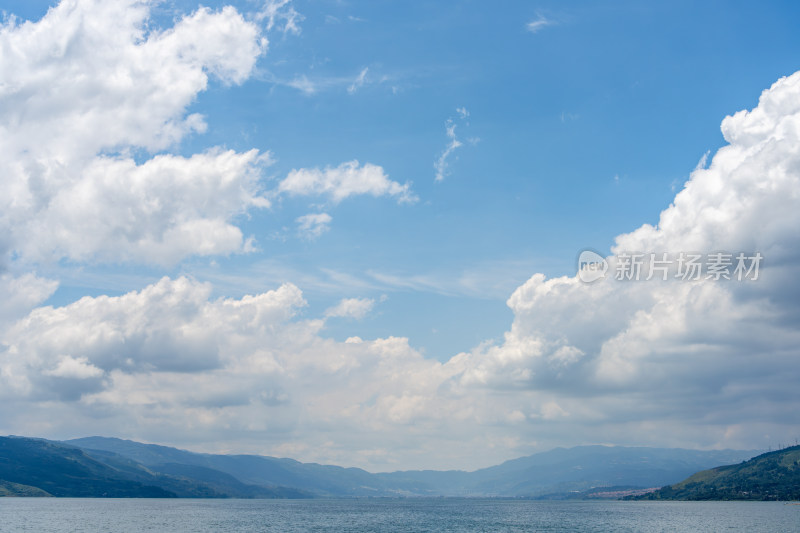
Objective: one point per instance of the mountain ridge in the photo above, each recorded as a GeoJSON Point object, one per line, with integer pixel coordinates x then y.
{"type": "Point", "coordinates": [558, 470]}
{"type": "Point", "coordinates": [106, 466]}
{"type": "Point", "coordinates": [774, 475]}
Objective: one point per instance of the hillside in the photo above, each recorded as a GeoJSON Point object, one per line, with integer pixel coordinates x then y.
{"type": "Point", "coordinates": [33, 465]}
{"type": "Point", "coordinates": [8, 488]}
{"type": "Point", "coordinates": [770, 476]}
{"type": "Point", "coordinates": [36, 467]}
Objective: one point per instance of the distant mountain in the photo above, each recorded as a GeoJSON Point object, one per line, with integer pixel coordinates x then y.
{"type": "Point", "coordinates": [587, 467]}
{"type": "Point", "coordinates": [559, 471]}
{"type": "Point", "coordinates": [190, 481]}
{"type": "Point", "coordinates": [570, 470]}
{"type": "Point", "coordinates": [770, 476]}
{"type": "Point", "coordinates": [320, 480]}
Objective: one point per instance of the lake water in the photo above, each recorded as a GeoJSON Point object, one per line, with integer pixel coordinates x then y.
{"type": "Point", "coordinates": [415, 515]}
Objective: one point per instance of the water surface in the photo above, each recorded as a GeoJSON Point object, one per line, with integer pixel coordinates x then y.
{"type": "Point", "coordinates": [414, 515]}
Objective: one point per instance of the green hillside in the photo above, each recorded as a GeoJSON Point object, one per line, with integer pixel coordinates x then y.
{"type": "Point", "coordinates": [8, 488]}
{"type": "Point", "coordinates": [770, 476]}
{"type": "Point", "coordinates": [62, 470]}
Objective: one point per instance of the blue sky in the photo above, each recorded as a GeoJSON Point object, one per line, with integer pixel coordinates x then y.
{"type": "Point", "coordinates": [569, 124]}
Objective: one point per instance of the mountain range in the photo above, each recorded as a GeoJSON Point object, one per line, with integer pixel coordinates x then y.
{"type": "Point", "coordinates": [101, 466]}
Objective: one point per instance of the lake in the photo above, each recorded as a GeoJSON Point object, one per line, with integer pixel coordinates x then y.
{"type": "Point", "coordinates": [415, 515]}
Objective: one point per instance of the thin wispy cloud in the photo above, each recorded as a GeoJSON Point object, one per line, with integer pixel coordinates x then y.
{"type": "Point", "coordinates": [302, 84]}
{"type": "Point", "coordinates": [310, 84]}
{"type": "Point", "coordinates": [539, 23]}
{"type": "Point", "coordinates": [359, 81]}
{"type": "Point", "coordinates": [442, 164]}
{"type": "Point", "coordinates": [280, 15]}
{"type": "Point", "coordinates": [313, 225]}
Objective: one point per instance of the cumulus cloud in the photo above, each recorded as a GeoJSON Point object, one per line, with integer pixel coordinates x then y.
{"type": "Point", "coordinates": [701, 363]}
{"type": "Point", "coordinates": [84, 87]}
{"type": "Point", "coordinates": [20, 294]}
{"type": "Point", "coordinates": [169, 356]}
{"type": "Point", "coordinates": [721, 354]}
{"type": "Point", "coordinates": [89, 77]}
{"type": "Point", "coordinates": [346, 180]}
{"type": "Point", "coordinates": [170, 326]}
{"type": "Point", "coordinates": [165, 213]}
{"type": "Point", "coordinates": [356, 308]}
{"type": "Point", "coordinates": [69, 367]}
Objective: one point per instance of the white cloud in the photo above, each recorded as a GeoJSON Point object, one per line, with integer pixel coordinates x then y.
{"type": "Point", "coordinates": [358, 82]}
{"type": "Point", "coordinates": [277, 12]}
{"type": "Point", "coordinates": [667, 363]}
{"type": "Point", "coordinates": [169, 207]}
{"type": "Point", "coordinates": [313, 82]}
{"type": "Point", "coordinates": [303, 84]}
{"type": "Point", "coordinates": [90, 79]}
{"type": "Point", "coordinates": [18, 295]}
{"type": "Point", "coordinates": [538, 24]}
{"type": "Point", "coordinates": [663, 363]}
{"type": "Point", "coordinates": [313, 225]}
{"type": "Point", "coordinates": [703, 162]}
{"type": "Point", "coordinates": [708, 353]}
{"type": "Point", "coordinates": [356, 308]}
{"type": "Point", "coordinates": [70, 367]}
{"type": "Point", "coordinates": [346, 180]}
{"type": "Point", "coordinates": [441, 165]}
{"type": "Point", "coordinates": [179, 363]}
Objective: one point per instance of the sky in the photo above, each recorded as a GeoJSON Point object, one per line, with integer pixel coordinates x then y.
{"type": "Point", "coordinates": [349, 232]}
